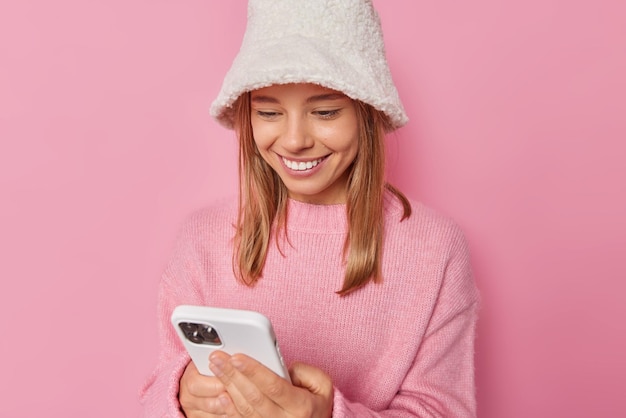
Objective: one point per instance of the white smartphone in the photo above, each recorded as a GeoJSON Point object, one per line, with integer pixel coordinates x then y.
{"type": "Point", "coordinates": [203, 329]}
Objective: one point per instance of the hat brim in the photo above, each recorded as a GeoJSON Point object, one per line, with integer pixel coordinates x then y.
{"type": "Point", "coordinates": [298, 59]}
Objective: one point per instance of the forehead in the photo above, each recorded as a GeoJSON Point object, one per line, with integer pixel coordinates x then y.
{"type": "Point", "coordinates": [304, 91]}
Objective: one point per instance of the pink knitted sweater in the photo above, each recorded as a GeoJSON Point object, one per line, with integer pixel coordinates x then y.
{"type": "Point", "coordinates": [401, 348]}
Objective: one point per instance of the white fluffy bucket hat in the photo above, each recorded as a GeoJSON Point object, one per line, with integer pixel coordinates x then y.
{"type": "Point", "coordinates": [337, 44]}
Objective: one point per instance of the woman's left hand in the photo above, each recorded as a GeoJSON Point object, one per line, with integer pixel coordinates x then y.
{"type": "Point", "coordinates": [255, 391]}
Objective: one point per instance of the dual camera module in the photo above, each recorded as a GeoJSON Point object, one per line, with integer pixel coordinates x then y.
{"type": "Point", "coordinates": [200, 333]}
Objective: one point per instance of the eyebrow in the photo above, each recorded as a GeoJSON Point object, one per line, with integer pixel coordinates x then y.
{"type": "Point", "coordinates": [264, 99]}
{"type": "Point", "coordinates": [316, 98]}
{"type": "Point", "coordinates": [327, 96]}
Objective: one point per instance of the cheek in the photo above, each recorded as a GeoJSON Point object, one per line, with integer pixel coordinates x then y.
{"type": "Point", "coordinates": [261, 136]}
{"type": "Point", "coordinates": [342, 140]}
{"type": "Point", "coordinates": [345, 144]}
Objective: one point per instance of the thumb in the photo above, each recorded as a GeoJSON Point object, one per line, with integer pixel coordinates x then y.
{"type": "Point", "coordinates": [311, 378]}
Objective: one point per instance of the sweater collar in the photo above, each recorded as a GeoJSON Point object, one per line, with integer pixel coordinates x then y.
{"type": "Point", "coordinates": [329, 219]}
{"type": "Point", "coordinates": [308, 217]}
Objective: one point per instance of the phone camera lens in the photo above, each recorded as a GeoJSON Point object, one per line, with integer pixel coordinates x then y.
{"type": "Point", "coordinates": [200, 333]}
{"type": "Point", "coordinates": [187, 327]}
{"type": "Point", "coordinates": [209, 335]}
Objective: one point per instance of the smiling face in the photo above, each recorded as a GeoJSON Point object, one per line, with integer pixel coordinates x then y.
{"type": "Point", "coordinates": [309, 135]}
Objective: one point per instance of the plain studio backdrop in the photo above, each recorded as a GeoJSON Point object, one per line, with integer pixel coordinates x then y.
{"type": "Point", "coordinates": [517, 131]}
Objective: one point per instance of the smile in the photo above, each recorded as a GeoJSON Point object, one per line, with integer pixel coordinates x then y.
{"type": "Point", "coordinates": [301, 165]}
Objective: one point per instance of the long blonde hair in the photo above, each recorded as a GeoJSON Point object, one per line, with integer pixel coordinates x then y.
{"type": "Point", "coordinates": [263, 201]}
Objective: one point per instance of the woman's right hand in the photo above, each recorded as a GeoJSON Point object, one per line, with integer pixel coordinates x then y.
{"type": "Point", "coordinates": [198, 394]}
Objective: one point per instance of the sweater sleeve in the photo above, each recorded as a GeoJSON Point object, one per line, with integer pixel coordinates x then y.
{"type": "Point", "coordinates": [180, 284]}
{"type": "Point", "coordinates": [440, 383]}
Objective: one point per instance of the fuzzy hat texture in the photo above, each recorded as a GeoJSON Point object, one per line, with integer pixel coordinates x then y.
{"type": "Point", "coordinates": [337, 44]}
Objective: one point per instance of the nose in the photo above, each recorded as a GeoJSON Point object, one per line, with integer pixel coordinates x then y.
{"type": "Point", "coordinates": [297, 135]}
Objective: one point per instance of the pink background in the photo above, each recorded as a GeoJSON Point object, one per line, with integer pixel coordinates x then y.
{"type": "Point", "coordinates": [518, 129]}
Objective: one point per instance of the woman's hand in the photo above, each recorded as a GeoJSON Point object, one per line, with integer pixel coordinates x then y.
{"type": "Point", "coordinates": [198, 394]}
{"type": "Point", "coordinates": [252, 390]}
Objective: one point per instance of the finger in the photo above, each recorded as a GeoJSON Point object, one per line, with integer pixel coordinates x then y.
{"type": "Point", "coordinates": [271, 385]}
{"type": "Point", "coordinates": [203, 407]}
{"type": "Point", "coordinates": [311, 378]}
{"type": "Point", "coordinates": [317, 384]}
{"type": "Point", "coordinates": [228, 407]}
{"type": "Point", "coordinates": [247, 398]}
{"type": "Point", "coordinates": [200, 414]}
{"type": "Point", "coordinates": [312, 396]}
{"type": "Point", "coordinates": [200, 385]}
{"type": "Point", "coordinates": [198, 394]}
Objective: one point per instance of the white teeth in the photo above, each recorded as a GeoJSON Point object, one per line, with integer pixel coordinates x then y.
{"type": "Point", "coordinates": [301, 166]}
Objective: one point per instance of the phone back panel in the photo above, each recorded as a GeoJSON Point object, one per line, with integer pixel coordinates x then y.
{"type": "Point", "coordinates": [239, 331]}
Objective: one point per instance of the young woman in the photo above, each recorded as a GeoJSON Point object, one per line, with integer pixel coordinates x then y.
{"type": "Point", "coordinates": [371, 295]}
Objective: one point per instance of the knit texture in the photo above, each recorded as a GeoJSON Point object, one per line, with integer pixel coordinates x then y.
{"type": "Point", "coordinates": [334, 43]}
{"type": "Point", "coordinates": [401, 348]}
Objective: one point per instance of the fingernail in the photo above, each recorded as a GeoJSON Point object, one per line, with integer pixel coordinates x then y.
{"type": "Point", "coordinates": [223, 400]}
{"type": "Point", "coordinates": [236, 363]}
{"type": "Point", "coordinates": [216, 365]}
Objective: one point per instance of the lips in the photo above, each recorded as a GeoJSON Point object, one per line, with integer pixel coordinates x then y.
{"type": "Point", "coordinates": [302, 165]}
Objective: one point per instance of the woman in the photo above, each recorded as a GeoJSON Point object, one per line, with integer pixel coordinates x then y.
{"type": "Point", "coordinates": [371, 295]}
